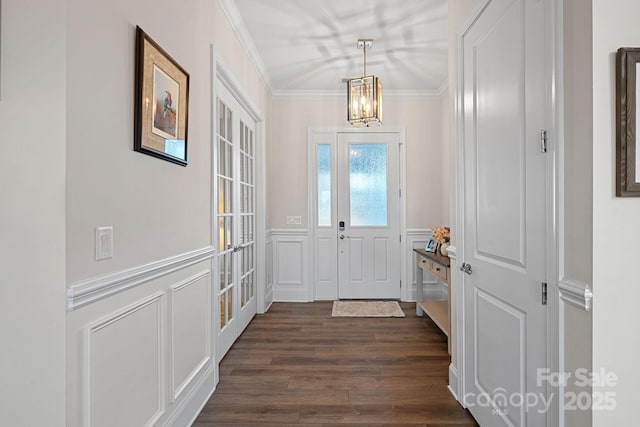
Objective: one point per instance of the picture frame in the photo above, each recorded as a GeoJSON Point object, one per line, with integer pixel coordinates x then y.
{"type": "Point", "coordinates": [627, 118]}
{"type": "Point", "coordinates": [431, 246]}
{"type": "Point", "coordinates": [161, 102]}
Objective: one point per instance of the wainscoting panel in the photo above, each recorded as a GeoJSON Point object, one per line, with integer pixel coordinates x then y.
{"type": "Point", "coordinates": [290, 266]}
{"type": "Point", "coordinates": [126, 349]}
{"type": "Point", "coordinates": [142, 356]}
{"type": "Point", "coordinates": [269, 272]}
{"type": "Point", "coordinates": [190, 336]}
{"type": "Point", "coordinates": [432, 289]}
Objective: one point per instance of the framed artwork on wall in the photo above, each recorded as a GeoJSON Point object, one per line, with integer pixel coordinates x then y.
{"type": "Point", "coordinates": [627, 119]}
{"type": "Point", "coordinates": [161, 102]}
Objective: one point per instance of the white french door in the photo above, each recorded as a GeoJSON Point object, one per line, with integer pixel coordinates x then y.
{"type": "Point", "coordinates": [368, 231]}
{"type": "Point", "coordinates": [234, 194]}
{"type": "Point", "coordinates": [503, 113]}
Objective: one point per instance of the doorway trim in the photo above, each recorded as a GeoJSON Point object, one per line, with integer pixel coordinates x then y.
{"type": "Point", "coordinates": [220, 72]}
{"type": "Point", "coordinates": [330, 135]}
{"type": "Point", "coordinates": [554, 40]}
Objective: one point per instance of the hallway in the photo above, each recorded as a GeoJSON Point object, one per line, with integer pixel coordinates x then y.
{"type": "Point", "coordinates": [297, 365]}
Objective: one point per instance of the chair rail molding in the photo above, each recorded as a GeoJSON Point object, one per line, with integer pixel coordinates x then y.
{"type": "Point", "coordinates": [91, 290]}
{"type": "Point", "coordinates": [576, 293]}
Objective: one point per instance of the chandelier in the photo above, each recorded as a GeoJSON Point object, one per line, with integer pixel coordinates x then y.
{"type": "Point", "coordinates": [364, 95]}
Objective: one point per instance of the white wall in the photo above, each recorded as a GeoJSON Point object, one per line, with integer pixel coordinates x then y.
{"type": "Point", "coordinates": [287, 158]}
{"type": "Point", "coordinates": [32, 213]}
{"type": "Point", "coordinates": [615, 222]}
{"type": "Point", "coordinates": [145, 350]}
{"type": "Point", "coordinates": [157, 209]}
{"type": "Point", "coordinates": [576, 230]}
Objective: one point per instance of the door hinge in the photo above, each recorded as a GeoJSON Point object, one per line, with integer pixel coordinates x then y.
{"type": "Point", "coordinates": [543, 140]}
{"type": "Point", "coordinates": [544, 293]}
{"type": "Point", "coordinates": [400, 283]}
{"type": "Point", "coordinates": [400, 193]}
{"type": "Point", "coordinates": [401, 238]}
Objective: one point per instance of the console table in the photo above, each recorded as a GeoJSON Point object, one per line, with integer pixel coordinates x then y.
{"type": "Point", "coordinates": [438, 310]}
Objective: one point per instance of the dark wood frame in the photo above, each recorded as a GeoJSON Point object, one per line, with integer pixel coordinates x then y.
{"type": "Point", "coordinates": [626, 126]}
{"type": "Point", "coordinates": [142, 132]}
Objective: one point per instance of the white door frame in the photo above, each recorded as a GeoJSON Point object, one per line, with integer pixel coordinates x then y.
{"type": "Point", "coordinates": [331, 134]}
{"type": "Point", "coordinates": [220, 73]}
{"type": "Point", "coordinates": [553, 33]}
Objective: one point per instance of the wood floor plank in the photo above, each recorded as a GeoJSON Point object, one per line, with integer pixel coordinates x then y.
{"type": "Point", "coordinates": [298, 366]}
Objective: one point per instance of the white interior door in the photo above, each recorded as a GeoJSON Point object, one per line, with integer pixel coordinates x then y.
{"type": "Point", "coordinates": [504, 108]}
{"type": "Point", "coordinates": [368, 215]}
{"type": "Point", "coordinates": [234, 193]}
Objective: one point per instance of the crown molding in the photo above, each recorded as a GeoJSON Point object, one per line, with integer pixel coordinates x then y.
{"type": "Point", "coordinates": [338, 94]}
{"type": "Point", "coordinates": [237, 24]}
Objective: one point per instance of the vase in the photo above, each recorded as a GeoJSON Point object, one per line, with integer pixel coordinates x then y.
{"type": "Point", "coordinates": [443, 249]}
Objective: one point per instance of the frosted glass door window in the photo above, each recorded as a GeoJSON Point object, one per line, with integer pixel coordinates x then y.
{"type": "Point", "coordinates": [324, 185]}
{"type": "Point", "coordinates": [368, 184]}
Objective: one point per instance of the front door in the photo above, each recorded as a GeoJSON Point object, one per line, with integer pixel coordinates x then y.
{"type": "Point", "coordinates": [504, 106]}
{"type": "Point", "coordinates": [368, 229]}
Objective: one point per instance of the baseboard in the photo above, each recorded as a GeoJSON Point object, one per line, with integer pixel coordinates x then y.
{"type": "Point", "coordinates": [194, 402]}
{"type": "Point", "coordinates": [453, 382]}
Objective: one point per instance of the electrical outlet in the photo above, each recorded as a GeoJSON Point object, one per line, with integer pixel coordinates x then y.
{"type": "Point", "coordinates": [104, 243]}
{"type": "Point", "coordinates": [294, 220]}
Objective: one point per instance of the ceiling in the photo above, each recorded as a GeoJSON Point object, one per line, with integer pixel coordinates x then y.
{"type": "Point", "coordinates": [309, 46]}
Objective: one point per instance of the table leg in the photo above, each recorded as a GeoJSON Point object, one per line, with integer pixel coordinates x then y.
{"type": "Point", "coordinates": [419, 292]}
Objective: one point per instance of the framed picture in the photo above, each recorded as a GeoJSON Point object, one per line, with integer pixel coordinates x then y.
{"type": "Point", "coordinates": [627, 118]}
{"type": "Point", "coordinates": [161, 102]}
{"type": "Point", "coordinates": [431, 246]}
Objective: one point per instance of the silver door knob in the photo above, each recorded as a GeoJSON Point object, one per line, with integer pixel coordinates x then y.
{"type": "Point", "coordinates": [465, 268]}
{"type": "Point", "coordinates": [342, 237]}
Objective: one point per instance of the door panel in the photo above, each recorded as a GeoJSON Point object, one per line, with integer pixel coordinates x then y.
{"type": "Point", "coordinates": [504, 214]}
{"type": "Point", "coordinates": [368, 204]}
{"type": "Point", "coordinates": [235, 219]}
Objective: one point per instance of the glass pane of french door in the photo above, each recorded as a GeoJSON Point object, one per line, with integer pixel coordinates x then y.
{"type": "Point", "coordinates": [224, 215]}
{"type": "Point", "coordinates": [247, 214]}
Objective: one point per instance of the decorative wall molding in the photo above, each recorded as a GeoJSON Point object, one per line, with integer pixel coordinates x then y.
{"type": "Point", "coordinates": [576, 293]}
{"type": "Point", "coordinates": [290, 252]}
{"type": "Point", "coordinates": [179, 385]}
{"type": "Point", "coordinates": [99, 372]}
{"type": "Point", "coordinates": [89, 291]}
{"type": "Point", "coordinates": [452, 251]}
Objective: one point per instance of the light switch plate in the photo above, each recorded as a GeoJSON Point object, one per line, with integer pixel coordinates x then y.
{"type": "Point", "coordinates": [104, 243]}
{"type": "Point", "coordinates": [294, 220]}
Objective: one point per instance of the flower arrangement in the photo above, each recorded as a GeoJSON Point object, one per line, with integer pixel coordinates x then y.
{"type": "Point", "coordinates": [441, 234]}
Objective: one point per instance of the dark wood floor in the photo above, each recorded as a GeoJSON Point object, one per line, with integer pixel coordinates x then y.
{"type": "Point", "coordinates": [297, 365]}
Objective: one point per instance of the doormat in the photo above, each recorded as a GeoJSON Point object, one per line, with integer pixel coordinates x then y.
{"type": "Point", "coordinates": [366, 309]}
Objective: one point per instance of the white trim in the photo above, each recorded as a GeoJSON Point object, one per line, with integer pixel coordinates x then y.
{"type": "Point", "coordinates": [576, 293]}
{"type": "Point", "coordinates": [452, 252]}
{"type": "Point", "coordinates": [223, 74]}
{"type": "Point", "coordinates": [194, 401]}
{"type": "Point", "coordinates": [237, 24]}
{"type": "Point", "coordinates": [453, 380]}
{"type": "Point", "coordinates": [94, 289]}
{"type": "Point", "coordinates": [288, 232]}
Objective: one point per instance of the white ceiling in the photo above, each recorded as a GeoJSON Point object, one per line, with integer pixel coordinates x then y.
{"type": "Point", "coordinates": [307, 46]}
